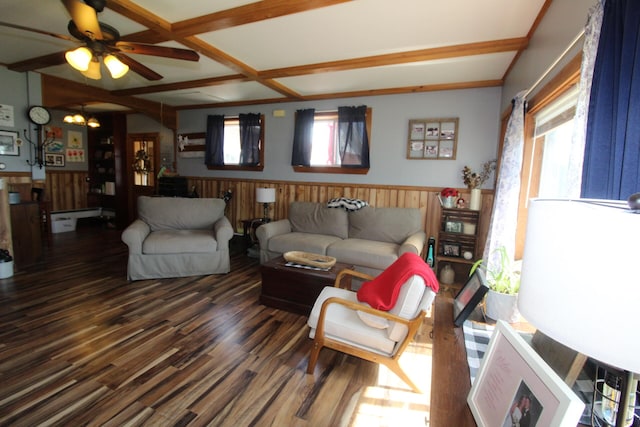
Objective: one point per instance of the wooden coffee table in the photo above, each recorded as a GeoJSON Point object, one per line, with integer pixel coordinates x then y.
{"type": "Point", "coordinates": [295, 289]}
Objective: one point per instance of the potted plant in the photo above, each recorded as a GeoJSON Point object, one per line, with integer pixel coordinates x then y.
{"type": "Point", "coordinates": [501, 302]}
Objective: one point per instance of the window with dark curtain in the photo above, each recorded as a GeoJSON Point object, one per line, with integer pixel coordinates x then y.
{"type": "Point", "coordinates": [303, 137]}
{"type": "Point", "coordinates": [611, 168]}
{"type": "Point", "coordinates": [249, 139]}
{"type": "Point", "coordinates": [353, 139]}
{"type": "Point", "coordinates": [214, 141]}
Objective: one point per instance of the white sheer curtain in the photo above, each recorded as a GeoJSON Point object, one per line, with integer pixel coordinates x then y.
{"type": "Point", "coordinates": [504, 218]}
{"type": "Point", "coordinates": [589, 51]}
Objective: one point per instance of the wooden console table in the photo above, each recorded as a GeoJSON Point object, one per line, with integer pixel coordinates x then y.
{"type": "Point", "coordinates": [450, 383]}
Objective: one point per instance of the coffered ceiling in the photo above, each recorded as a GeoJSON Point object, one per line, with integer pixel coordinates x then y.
{"type": "Point", "coordinates": [284, 50]}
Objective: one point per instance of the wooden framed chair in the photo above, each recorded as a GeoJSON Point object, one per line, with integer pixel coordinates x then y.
{"type": "Point", "coordinates": [340, 322]}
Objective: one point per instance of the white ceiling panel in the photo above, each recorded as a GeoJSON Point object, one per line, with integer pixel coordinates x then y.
{"type": "Point", "coordinates": [233, 92]}
{"type": "Point", "coordinates": [486, 67]}
{"type": "Point", "coordinates": [372, 27]}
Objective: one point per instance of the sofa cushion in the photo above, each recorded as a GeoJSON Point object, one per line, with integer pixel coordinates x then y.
{"type": "Point", "coordinates": [393, 225]}
{"type": "Point", "coordinates": [305, 242]}
{"type": "Point", "coordinates": [310, 217]}
{"type": "Point", "coordinates": [171, 213]}
{"type": "Point", "coordinates": [179, 242]}
{"type": "Point", "coordinates": [365, 253]}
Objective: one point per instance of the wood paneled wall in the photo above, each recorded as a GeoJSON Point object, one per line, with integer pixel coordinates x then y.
{"type": "Point", "coordinates": [68, 190]}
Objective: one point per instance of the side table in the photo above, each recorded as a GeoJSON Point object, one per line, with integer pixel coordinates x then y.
{"type": "Point", "coordinates": [249, 228]}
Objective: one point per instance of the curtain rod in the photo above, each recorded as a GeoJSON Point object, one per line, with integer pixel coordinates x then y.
{"type": "Point", "coordinates": [552, 66]}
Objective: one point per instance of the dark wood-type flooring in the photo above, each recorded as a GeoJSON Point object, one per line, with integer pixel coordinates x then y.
{"type": "Point", "coordinates": [80, 345]}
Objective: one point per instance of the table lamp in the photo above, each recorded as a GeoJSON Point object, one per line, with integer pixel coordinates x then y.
{"type": "Point", "coordinates": [265, 196]}
{"type": "Point", "coordinates": [580, 286]}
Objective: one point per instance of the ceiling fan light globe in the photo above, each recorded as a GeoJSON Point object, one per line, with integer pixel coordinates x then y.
{"type": "Point", "coordinates": [115, 66]}
{"type": "Point", "coordinates": [93, 72]}
{"type": "Point", "coordinates": [79, 58]}
{"type": "Point", "coordinates": [68, 118]}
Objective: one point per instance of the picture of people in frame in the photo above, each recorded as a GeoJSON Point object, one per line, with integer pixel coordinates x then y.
{"type": "Point", "coordinates": [525, 409]}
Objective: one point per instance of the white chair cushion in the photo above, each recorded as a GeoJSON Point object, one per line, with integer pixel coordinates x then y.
{"type": "Point", "coordinates": [373, 320]}
{"type": "Point", "coordinates": [343, 324]}
{"type": "Point", "coordinates": [407, 306]}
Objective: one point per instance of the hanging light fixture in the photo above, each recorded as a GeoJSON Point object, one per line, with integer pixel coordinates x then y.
{"type": "Point", "coordinates": [88, 63]}
{"type": "Point", "coordinates": [80, 119]}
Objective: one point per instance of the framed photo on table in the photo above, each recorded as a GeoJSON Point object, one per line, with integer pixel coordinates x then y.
{"type": "Point", "coordinates": [469, 297]}
{"type": "Point", "coordinates": [515, 384]}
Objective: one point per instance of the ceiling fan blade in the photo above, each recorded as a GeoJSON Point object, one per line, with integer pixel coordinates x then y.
{"type": "Point", "coordinates": [85, 18]}
{"type": "Point", "coordinates": [139, 68]}
{"type": "Point", "coordinates": [166, 52]}
{"type": "Point", "coordinates": [35, 30]}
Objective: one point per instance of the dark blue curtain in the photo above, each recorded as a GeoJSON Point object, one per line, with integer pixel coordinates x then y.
{"type": "Point", "coordinates": [352, 134]}
{"type": "Point", "coordinates": [612, 150]}
{"type": "Point", "coordinates": [249, 139]}
{"type": "Point", "coordinates": [214, 141]}
{"type": "Point", "coordinates": [303, 137]}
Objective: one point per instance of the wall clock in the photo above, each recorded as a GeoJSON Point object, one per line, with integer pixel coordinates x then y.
{"type": "Point", "coordinates": [39, 115]}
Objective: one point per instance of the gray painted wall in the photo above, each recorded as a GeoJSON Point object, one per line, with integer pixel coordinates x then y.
{"type": "Point", "coordinates": [477, 110]}
{"type": "Point", "coordinates": [562, 23]}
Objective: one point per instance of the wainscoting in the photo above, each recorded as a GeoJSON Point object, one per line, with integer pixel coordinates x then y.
{"type": "Point", "coordinates": [68, 190]}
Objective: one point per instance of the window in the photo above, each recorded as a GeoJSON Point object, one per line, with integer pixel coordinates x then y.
{"type": "Point", "coordinates": [553, 132]}
{"type": "Point", "coordinates": [326, 153]}
{"type": "Point", "coordinates": [237, 151]}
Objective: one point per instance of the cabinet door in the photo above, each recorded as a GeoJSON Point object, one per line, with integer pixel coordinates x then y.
{"type": "Point", "coordinates": [25, 230]}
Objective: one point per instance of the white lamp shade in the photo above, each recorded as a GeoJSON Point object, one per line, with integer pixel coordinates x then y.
{"type": "Point", "coordinates": [93, 72]}
{"type": "Point", "coordinates": [265, 195]}
{"type": "Point", "coordinates": [79, 58]}
{"type": "Point", "coordinates": [579, 282]}
{"type": "Point", "coordinates": [116, 67]}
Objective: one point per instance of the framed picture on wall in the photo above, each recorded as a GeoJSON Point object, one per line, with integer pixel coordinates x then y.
{"type": "Point", "coordinates": [9, 143]}
{"type": "Point", "coordinates": [432, 139]}
{"type": "Point", "coordinates": [54, 160]}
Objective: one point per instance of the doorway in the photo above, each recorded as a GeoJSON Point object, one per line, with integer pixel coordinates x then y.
{"type": "Point", "coordinates": [144, 151]}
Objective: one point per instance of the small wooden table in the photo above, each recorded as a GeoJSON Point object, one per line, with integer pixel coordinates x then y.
{"type": "Point", "coordinates": [295, 289]}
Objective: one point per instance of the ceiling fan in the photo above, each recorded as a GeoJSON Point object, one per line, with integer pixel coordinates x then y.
{"type": "Point", "coordinates": [100, 40]}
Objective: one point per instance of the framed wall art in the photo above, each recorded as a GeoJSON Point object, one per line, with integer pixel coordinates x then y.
{"type": "Point", "coordinates": [514, 383]}
{"type": "Point", "coordinates": [55, 160]}
{"type": "Point", "coordinates": [432, 139]}
{"type": "Point", "coordinates": [9, 143]}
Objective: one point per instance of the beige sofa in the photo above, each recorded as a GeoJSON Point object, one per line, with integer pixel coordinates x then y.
{"type": "Point", "coordinates": [369, 238]}
{"type": "Point", "coordinates": [177, 237]}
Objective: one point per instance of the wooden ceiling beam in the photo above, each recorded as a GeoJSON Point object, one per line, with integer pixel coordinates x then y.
{"type": "Point", "coordinates": [62, 93]}
{"type": "Point", "coordinates": [432, 54]}
{"type": "Point", "coordinates": [246, 14]}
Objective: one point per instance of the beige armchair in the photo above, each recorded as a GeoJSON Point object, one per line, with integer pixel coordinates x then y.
{"type": "Point", "coordinates": [340, 322]}
{"type": "Point", "coordinates": [178, 237]}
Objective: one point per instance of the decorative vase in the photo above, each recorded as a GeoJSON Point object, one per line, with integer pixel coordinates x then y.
{"type": "Point", "coordinates": [447, 275]}
{"type": "Point", "coordinates": [476, 199]}
{"type": "Point", "coordinates": [501, 306]}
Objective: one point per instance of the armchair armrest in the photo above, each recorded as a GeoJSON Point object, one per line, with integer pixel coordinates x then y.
{"type": "Point", "coordinates": [223, 231]}
{"type": "Point", "coordinates": [413, 243]}
{"type": "Point", "coordinates": [272, 229]}
{"type": "Point", "coordinates": [134, 235]}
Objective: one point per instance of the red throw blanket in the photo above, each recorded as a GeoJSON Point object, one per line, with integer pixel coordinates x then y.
{"type": "Point", "coordinates": [382, 292]}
